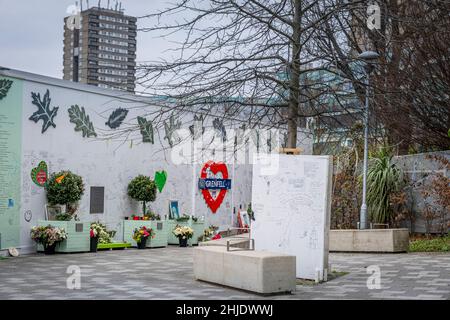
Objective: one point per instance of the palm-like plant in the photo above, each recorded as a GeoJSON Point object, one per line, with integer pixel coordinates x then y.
{"type": "Point", "coordinates": [383, 179]}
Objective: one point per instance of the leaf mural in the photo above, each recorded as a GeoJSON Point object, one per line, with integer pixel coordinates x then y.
{"type": "Point", "coordinates": [146, 130]}
{"type": "Point", "coordinates": [116, 118]}
{"type": "Point", "coordinates": [171, 128]}
{"type": "Point", "coordinates": [5, 85]}
{"type": "Point", "coordinates": [81, 120]}
{"type": "Point", "coordinates": [197, 129]}
{"type": "Point", "coordinates": [44, 112]}
{"type": "Point", "coordinates": [220, 128]}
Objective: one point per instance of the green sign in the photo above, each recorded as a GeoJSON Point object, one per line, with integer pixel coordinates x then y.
{"type": "Point", "coordinates": [10, 163]}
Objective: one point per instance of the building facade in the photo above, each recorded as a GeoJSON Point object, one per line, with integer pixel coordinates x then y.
{"type": "Point", "coordinates": [102, 51]}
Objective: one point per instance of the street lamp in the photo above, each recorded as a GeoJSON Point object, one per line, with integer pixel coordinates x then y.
{"type": "Point", "coordinates": [369, 57]}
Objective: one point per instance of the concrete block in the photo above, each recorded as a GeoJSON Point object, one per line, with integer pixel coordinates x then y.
{"type": "Point", "coordinates": [239, 241]}
{"type": "Point", "coordinates": [369, 240]}
{"type": "Point", "coordinates": [257, 271]}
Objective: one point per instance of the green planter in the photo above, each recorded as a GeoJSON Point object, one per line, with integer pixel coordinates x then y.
{"type": "Point", "coordinates": [159, 227]}
{"type": "Point", "coordinates": [78, 236]}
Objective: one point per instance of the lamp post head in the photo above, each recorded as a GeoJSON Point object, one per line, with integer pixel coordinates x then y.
{"type": "Point", "coordinates": [369, 56]}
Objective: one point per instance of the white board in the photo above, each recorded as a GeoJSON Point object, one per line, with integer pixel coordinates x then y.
{"type": "Point", "coordinates": [291, 198]}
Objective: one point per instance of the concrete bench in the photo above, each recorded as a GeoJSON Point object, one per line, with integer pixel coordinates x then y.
{"type": "Point", "coordinates": [257, 271]}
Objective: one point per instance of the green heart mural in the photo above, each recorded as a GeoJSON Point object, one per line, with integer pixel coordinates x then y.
{"type": "Point", "coordinates": [160, 179]}
{"type": "Point", "coordinates": [39, 174]}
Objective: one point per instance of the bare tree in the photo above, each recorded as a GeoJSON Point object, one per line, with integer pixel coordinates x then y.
{"type": "Point", "coordinates": [411, 85]}
{"type": "Point", "coordinates": [246, 60]}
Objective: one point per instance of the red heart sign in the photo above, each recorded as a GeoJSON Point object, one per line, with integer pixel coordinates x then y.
{"type": "Point", "coordinates": [215, 168]}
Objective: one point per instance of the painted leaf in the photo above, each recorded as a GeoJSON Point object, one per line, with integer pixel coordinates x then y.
{"type": "Point", "coordinates": [44, 112]}
{"type": "Point", "coordinates": [81, 120]}
{"type": "Point", "coordinates": [171, 127]}
{"type": "Point", "coordinates": [146, 130]}
{"type": "Point", "coordinates": [116, 118]}
{"type": "Point", "coordinates": [5, 85]}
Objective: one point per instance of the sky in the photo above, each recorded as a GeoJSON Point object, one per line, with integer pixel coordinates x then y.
{"type": "Point", "coordinates": [31, 33]}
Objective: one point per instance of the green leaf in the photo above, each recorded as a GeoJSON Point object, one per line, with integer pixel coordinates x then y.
{"type": "Point", "coordinates": [5, 85]}
{"type": "Point", "coordinates": [81, 120]}
{"type": "Point", "coordinates": [44, 112]}
{"type": "Point", "coordinates": [146, 130]}
{"type": "Point", "coordinates": [116, 118]}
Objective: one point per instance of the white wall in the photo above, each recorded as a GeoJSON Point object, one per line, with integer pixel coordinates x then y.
{"type": "Point", "coordinates": [111, 164]}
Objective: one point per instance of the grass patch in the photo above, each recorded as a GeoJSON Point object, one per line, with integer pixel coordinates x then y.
{"type": "Point", "coordinates": [3, 258]}
{"type": "Point", "coordinates": [331, 276]}
{"type": "Point", "coordinates": [438, 244]}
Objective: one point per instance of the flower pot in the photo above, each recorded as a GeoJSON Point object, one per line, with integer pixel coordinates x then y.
{"type": "Point", "coordinates": [142, 244]}
{"type": "Point", "coordinates": [94, 244]}
{"type": "Point", "coordinates": [183, 242]}
{"type": "Point", "coordinates": [49, 249]}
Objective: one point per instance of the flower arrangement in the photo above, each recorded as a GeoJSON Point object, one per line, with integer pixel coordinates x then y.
{"type": "Point", "coordinates": [96, 229]}
{"type": "Point", "coordinates": [183, 232]}
{"type": "Point", "coordinates": [142, 233]}
{"type": "Point", "coordinates": [48, 236]}
{"type": "Point", "coordinates": [209, 233]}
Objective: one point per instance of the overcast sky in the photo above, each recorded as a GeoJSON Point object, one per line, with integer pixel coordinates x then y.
{"type": "Point", "coordinates": [31, 33]}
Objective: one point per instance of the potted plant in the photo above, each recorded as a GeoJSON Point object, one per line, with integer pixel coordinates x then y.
{"type": "Point", "coordinates": [140, 235]}
{"type": "Point", "coordinates": [97, 230]}
{"type": "Point", "coordinates": [143, 189]}
{"type": "Point", "coordinates": [65, 188]}
{"type": "Point", "coordinates": [183, 233]}
{"type": "Point", "coordinates": [48, 236]}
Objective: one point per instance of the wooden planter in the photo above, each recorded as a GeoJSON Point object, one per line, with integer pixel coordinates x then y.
{"type": "Point", "coordinates": [78, 236]}
{"type": "Point", "coordinates": [159, 227]}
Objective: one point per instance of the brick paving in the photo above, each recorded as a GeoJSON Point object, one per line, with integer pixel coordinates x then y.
{"type": "Point", "coordinates": [166, 273]}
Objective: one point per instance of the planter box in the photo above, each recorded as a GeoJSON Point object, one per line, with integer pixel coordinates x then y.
{"type": "Point", "coordinates": [198, 228]}
{"type": "Point", "coordinates": [369, 240]}
{"type": "Point", "coordinates": [78, 237]}
{"type": "Point", "coordinates": [159, 227]}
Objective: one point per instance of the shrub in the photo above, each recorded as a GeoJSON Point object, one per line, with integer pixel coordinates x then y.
{"type": "Point", "coordinates": [384, 178]}
{"type": "Point", "coordinates": [65, 188]}
{"type": "Point", "coordinates": [143, 189]}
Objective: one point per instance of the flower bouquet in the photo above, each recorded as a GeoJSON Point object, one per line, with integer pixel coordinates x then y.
{"type": "Point", "coordinates": [97, 231]}
{"type": "Point", "coordinates": [48, 236]}
{"type": "Point", "coordinates": [183, 233]}
{"type": "Point", "coordinates": [141, 235]}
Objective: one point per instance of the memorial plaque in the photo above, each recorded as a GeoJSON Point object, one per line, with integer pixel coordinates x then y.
{"type": "Point", "coordinates": [97, 203]}
{"type": "Point", "coordinates": [78, 227]}
{"type": "Point", "coordinates": [159, 226]}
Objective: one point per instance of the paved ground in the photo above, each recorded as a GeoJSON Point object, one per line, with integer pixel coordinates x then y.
{"type": "Point", "coordinates": [167, 274]}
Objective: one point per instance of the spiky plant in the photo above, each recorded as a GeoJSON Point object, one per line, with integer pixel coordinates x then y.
{"type": "Point", "coordinates": [383, 179]}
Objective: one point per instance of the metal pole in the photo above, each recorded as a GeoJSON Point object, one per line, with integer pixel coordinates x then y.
{"type": "Point", "coordinates": [363, 212]}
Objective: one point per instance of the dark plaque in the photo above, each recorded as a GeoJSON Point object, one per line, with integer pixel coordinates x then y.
{"type": "Point", "coordinates": [97, 200]}
{"type": "Point", "coordinates": [159, 226]}
{"type": "Point", "coordinates": [78, 227]}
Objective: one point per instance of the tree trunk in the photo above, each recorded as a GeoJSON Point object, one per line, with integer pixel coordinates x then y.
{"type": "Point", "coordinates": [294, 77]}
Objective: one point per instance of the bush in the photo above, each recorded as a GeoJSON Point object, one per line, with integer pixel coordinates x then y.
{"type": "Point", "coordinates": [65, 188]}
{"type": "Point", "coordinates": [384, 178]}
{"type": "Point", "coordinates": [439, 244]}
{"type": "Point", "coordinates": [143, 189]}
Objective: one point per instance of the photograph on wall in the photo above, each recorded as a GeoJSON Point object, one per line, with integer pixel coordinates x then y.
{"type": "Point", "coordinates": [174, 212]}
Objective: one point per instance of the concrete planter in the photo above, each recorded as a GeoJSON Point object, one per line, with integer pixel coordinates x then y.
{"type": "Point", "coordinates": [78, 236]}
{"type": "Point", "coordinates": [370, 240]}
